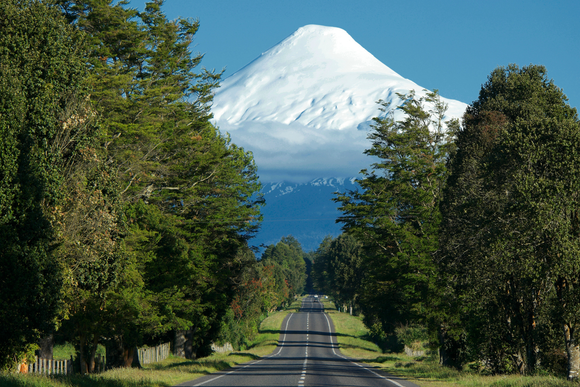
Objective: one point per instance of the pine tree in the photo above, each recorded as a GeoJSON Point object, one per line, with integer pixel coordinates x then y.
{"type": "Point", "coordinates": [396, 215]}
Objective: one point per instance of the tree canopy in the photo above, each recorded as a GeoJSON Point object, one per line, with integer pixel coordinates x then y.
{"type": "Point", "coordinates": [509, 225]}
{"type": "Point", "coordinates": [119, 200]}
{"type": "Point", "coordinates": [42, 106]}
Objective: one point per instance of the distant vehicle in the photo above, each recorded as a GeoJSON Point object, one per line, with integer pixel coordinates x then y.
{"type": "Point", "coordinates": [316, 296]}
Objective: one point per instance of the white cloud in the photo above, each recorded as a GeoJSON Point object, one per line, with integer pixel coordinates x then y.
{"type": "Point", "coordinates": [297, 153]}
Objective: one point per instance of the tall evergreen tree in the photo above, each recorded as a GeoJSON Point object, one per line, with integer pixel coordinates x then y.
{"type": "Point", "coordinates": [188, 193]}
{"type": "Point", "coordinates": [320, 267]}
{"type": "Point", "coordinates": [341, 270]}
{"type": "Point", "coordinates": [396, 215]}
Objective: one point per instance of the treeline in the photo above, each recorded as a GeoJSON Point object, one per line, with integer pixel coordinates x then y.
{"type": "Point", "coordinates": [124, 214]}
{"type": "Point", "coordinates": [469, 231]}
{"type": "Point", "coordinates": [272, 282]}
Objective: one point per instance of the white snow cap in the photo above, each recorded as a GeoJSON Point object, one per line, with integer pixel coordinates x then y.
{"type": "Point", "coordinates": [304, 106]}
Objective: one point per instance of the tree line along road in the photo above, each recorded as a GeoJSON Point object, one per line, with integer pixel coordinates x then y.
{"type": "Point", "coordinates": [307, 355]}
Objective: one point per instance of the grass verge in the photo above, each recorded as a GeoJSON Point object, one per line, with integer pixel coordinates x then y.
{"type": "Point", "coordinates": [169, 372]}
{"type": "Point", "coordinates": [423, 371]}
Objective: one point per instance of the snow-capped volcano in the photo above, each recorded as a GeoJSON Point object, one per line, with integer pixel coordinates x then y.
{"type": "Point", "coordinates": [304, 106]}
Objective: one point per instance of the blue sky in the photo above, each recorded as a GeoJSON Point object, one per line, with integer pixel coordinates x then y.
{"type": "Point", "coordinates": [447, 45]}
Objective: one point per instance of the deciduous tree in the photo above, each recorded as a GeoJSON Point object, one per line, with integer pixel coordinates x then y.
{"type": "Point", "coordinates": [509, 229]}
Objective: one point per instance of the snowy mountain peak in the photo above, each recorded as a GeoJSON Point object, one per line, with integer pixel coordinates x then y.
{"type": "Point", "coordinates": [304, 106]}
{"type": "Point", "coordinates": [319, 77]}
{"type": "Point", "coordinates": [320, 48]}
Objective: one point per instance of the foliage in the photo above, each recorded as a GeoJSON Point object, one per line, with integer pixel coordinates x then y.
{"type": "Point", "coordinates": [338, 269]}
{"type": "Point", "coordinates": [254, 297]}
{"type": "Point", "coordinates": [42, 136]}
{"type": "Point", "coordinates": [509, 227]}
{"type": "Point", "coordinates": [124, 213]}
{"type": "Point", "coordinates": [287, 261]}
{"type": "Point", "coordinates": [395, 216]}
{"type": "Point", "coordinates": [413, 336]}
{"type": "Point", "coordinates": [320, 267]}
{"type": "Point", "coordinates": [187, 194]}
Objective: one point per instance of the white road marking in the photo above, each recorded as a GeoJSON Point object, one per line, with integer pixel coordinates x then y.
{"type": "Point", "coordinates": [256, 362]}
{"type": "Point", "coordinates": [346, 358]}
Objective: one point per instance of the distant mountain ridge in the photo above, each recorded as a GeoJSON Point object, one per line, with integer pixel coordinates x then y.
{"type": "Point", "coordinates": [303, 210]}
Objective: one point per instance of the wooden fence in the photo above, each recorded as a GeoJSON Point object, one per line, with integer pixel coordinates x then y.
{"type": "Point", "coordinates": [227, 347]}
{"type": "Point", "coordinates": [54, 367]}
{"type": "Point", "coordinates": [48, 367]}
{"type": "Point", "coordinates": [153, 354]}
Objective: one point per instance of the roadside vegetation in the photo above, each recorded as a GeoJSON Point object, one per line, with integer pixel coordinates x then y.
{"type": "Point", "coordinates": [170, 372]}
{"type": "Point", "coordinates": [466, 235]}
{"type": "Point", "coordinates": [125, 215]}
{"type": "Point", "coordinates": [425, 371]}
{"type": "Point", "coordinates": [354, 341]}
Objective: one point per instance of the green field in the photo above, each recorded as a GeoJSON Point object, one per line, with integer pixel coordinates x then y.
{"type": "Point", "coordinates": [351, 334]}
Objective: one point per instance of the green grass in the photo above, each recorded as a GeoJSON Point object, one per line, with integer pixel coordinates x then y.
{"type": "Point", "coordinates": [67, 350]}
{"type": "Point", "coordinates": [169, 372]}
{"type": "Point", "coordinates": [63, 352]}
{"type": "Point", "coordinates": [425, 372]}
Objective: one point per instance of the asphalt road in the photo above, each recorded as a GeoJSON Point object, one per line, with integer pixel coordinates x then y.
{"type": "Point", "coordinates": [307, 355]}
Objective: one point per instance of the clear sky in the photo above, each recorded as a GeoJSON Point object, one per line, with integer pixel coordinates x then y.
{"type": "Point", "coordinates": [450, 45]}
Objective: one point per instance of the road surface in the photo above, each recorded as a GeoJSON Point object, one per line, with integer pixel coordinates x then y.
{"type": "Point", "coordinates": [307, 355]}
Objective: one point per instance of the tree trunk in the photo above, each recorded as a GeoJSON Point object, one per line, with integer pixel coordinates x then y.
{"type": "Point", "coordinates": [91, 359]}
{"type": "Point", "coordinates": [183, 344]}
{"type": "Point", "coordinates": [443, 354]}
{"type": "Point", "coordinates": [450, 350]}
{"type": "Point", "coordinates": [190, 349]}
{"type": "Point", "coordinates": [46, 346]}
{"type": "Point", "coordinates": [128, 355]}
{"type": "Point", "coordinates": [118, 354]}
{"type": "Point", "coordinates": [520, 362]}
{"type": "Point", "coordinates": [83, 363]}
{"type": "Point", "coordinates": [179, 344]}
{"type": "Point", "coordinates": [573, 352]}
{"type": "Point", "coordinates": [529, 332]}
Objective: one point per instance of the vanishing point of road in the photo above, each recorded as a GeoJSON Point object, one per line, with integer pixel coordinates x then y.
{"type": "Point", "coordinates": [307, 355]}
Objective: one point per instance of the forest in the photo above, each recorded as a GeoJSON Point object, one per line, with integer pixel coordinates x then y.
{"type": "Point", "coordinates": [126, 217]}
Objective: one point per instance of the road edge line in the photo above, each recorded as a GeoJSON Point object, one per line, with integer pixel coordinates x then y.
{"type": "Point", "coordinates": [353, 362]}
